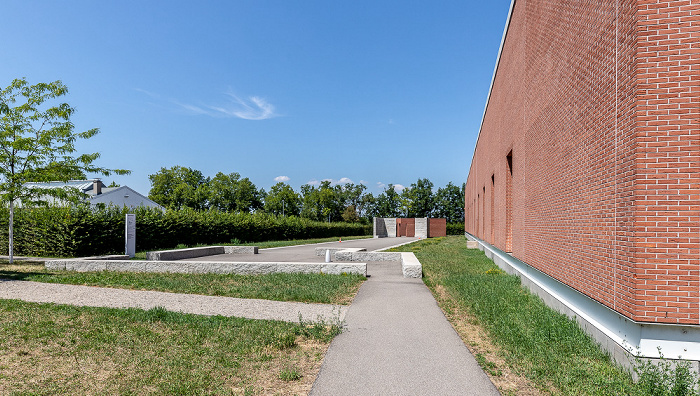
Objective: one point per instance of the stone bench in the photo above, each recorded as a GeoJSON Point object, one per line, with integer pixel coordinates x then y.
{"type": "Point", "coordinates": [322, 251]}
{"type": "Point", "coordinates": [182, 254]}
{"type": "Point", "coordinates": [202, 267]}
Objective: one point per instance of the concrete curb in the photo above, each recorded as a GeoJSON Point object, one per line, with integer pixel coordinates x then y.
{"type": "Point", "coordinates": [202, 267]}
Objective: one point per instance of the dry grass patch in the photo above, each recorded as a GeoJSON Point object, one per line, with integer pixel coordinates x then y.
{"type": "Point", "coordinates": [50, 349]}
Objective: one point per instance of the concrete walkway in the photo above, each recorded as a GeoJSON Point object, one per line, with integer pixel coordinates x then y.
{"type": "Point", "coordinates": [91, 296]}
{"type": "Point", "coordinates": [398, 342]}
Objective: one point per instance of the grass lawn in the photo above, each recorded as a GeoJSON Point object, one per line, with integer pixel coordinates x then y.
{"type": "Point", "coordinates": [48, 349]}
{"type": "Point", "coordinates": [524, 346]}
{"type": "Point", "coordinates": [313, 288]}
{"type": "Point", "coordinates": [56, 349]}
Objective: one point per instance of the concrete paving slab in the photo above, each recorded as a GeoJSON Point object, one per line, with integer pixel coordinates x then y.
{"type": "Point", "coordinates": [398, 342]}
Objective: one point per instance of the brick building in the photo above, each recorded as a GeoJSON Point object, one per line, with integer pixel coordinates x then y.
{"type": "Point", "coordinates": [587, 166]}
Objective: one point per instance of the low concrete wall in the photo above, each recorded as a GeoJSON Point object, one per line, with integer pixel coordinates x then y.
{"type": "Point", "coordinates": [109, 257]}
{"type": "Point", "coordinates": [367, 256]}
{"type": "Point", "coordinates": [181, 254]}
{"type": "Point", "coordinates": [201, 267]}
{"type": "Point", "coordinates": [410, 266]}
{"type": "Point", "coordinates": [322, 251]}
{"type": "Point", "coordinates": [240, 250]}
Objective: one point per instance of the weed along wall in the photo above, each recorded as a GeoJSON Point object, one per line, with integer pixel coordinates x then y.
{"type": "Point", "coordinates": [587, 165]}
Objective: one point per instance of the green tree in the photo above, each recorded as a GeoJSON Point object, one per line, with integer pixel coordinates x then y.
{"type": "Point", "coordinates": [367, 207]}
{"type": "Point", "coordinates": [179, 187]}
{"type": "Point", "coordinates": [247, 197]}
{"type": "Point", "coordinates": [388, 203]}
{"type": "Point", "coordinates": [322, 203]}
{"type": "Point", "coordinates": [350, 214]}
{"type": "Point", "coordinates": [282, 200]}
{"type": "Point", "coordinates": [230, 193]}
{"type": "Point", "coordinates": [419, 200]}
{"type": "Point", "coordinates": [37, 144]}
{"type": "Point", "coordinates": [449, 203]}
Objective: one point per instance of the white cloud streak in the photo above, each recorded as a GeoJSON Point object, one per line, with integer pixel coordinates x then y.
{"type": "Point", "coordinates": [399, 187]}
{"type": "Point", "coordinates": [282, 178]}
{"type": "Point", "coordinates": [253, 108]}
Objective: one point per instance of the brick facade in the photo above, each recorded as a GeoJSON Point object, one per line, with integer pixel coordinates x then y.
{"type": "Point", "coordinates": [587, 165]}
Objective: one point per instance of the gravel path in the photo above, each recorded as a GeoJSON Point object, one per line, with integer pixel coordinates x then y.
{"type": "Point", "coordinates": [187, 303]}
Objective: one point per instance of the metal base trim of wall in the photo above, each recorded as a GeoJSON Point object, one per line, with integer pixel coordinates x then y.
{"type": "Point", "coordinates": [622, 337]}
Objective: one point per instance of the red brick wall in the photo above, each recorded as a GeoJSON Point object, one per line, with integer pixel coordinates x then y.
{"type": "Point", "coordinates": [598, 102]}
{"type": "Point", "coordinates": [437, 227]}
{"type": "Point", "coordinates": [405, 227]}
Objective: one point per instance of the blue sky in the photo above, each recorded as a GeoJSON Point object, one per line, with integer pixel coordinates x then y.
{"type": "Point", "coordinates": [373, 91]}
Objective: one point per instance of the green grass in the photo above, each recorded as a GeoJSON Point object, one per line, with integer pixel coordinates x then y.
{"type": "Point", "coordinates": [313, 288]}
{"type": "Point", "coordinates": [48, 349]}
{"type": "Point", "coordinates": [537, 342]}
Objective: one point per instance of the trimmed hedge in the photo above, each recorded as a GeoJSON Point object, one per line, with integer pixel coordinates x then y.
{"type": "Point", "coordinates": [82, 231]}
{"type": "Point", "coordinates": [455, 228]}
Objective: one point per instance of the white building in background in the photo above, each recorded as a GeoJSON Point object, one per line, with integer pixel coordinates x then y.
{"type": "Point", "coordinates": [97, 193]}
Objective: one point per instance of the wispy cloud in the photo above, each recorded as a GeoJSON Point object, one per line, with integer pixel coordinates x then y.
{"type": "Point", "coordinates": [399, 187]}
{"type": "Point", "coordinates": [248, 108]}
{"type": "Point", "coordinates": [282, 178]}
{"type": "Point", "coordinates": [381, 185]}
{"type": "Point", "coordinates": [252, 108]}
{"type": "Point", "coordinates": [313, 182]}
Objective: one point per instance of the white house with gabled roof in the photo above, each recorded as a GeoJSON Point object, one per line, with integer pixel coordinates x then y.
{"type": "Point", "coordinates": [98, 194]}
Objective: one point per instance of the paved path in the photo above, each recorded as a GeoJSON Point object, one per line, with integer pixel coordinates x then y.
{"type": "Point", "coordinates": [187, 303]}
{"type": "Point", "coordinates": [398, 342]}
{"type": "Point", "coordinates": [306, 253]}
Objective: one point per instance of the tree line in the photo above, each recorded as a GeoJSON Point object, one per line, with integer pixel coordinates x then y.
{"type": "Point", "coordinates": [181, 187]}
